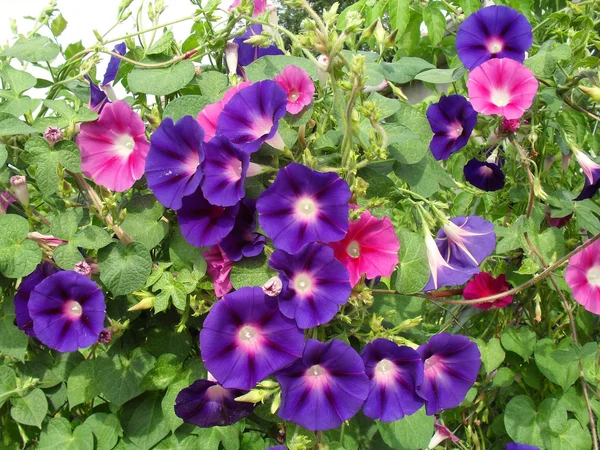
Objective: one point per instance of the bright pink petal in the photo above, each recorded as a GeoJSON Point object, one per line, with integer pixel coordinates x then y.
{"type": "Point", "coordinates": [298, 87]}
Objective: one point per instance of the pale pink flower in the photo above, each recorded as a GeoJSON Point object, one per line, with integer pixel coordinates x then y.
{"type": "Point", "coordinates": [583, 277]}
{"type": "Point", "coordinates": [5, 200]}
{"type": "Point", "coordinates": [502, 86]}
{"type": "Point", "coordinates": [208, 117]}
{"type": "Point", "coordinates": [441, 434]}
{"type": "Point", "coordinates": [298, 86]}
{"type": "Point", "coordinates": [219, 268]}
{"type": "Point", "coordinates": [114, 147]}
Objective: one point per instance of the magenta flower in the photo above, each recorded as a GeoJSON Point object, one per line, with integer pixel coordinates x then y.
{"type": "Point", "coordinates": [173, 163]}
{"type": "Point", "coordinates": [451, 364]}
{"type": "Point", "coordinates": [218, 269]}
{"type": "Point", "coordinates": [583, 277]}
{"type": "Point", "coordinates": [114, 147]}
{"type": "Point", "coordinates": [23, 294]}
{"type": "Point", "coordinates": [203, 224]}
{"type": "Point", "coordinates": [209, 116]}
{"type": "Point", "coordinates": [251, 117]}
{"type": "Point", "coordinates": [260, 6]}
{"type": "Point", "coordinates": [325, 387]}
{"type": "Point", "coordinates": [207, 404]}
{"type": "Point", "coordinates": [452, 121]}
{"type": "Point", "coordinates": [6, 199]}
{"type": "Point", "coordinates": [245, 338]}
{"type": "Point", "coordinates": [395, 373]}
{"type": "Point", "coordinates": [502, 86]}
{"type": "Point", "coordinates": [591, 170]}
{"type": "Point", "coordinates": [370, 247]}
{"type": "Point", "coordinates": [441, 434]}
{"type": "Point", "coordinates": [510, 125]}
{"type": "Point", "coordinates": [243, 241]}
{"type": "Point", "coordinates": [483, 285]}
{"type": "Point", "coordinates": [298, 86]}
{"type": "Point", "coordinates": [315, 284]}
{"type": "Point", "coordinates": [68, 311]}
{"type": "Point", "coordinates": [303, 206]}
{"type": "Point", "coordinates": [493, 32]}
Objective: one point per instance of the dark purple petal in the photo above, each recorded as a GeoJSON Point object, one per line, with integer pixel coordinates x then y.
{"type": "Point", "coordinates": [173, 162]}
{"type": "Point", "coordinates": [247, 53]}
{"type": "Point", "coordinates": [97, 96]}
{"type": "Point", "coordinates": [451, 364]}
{"type": "Point", "coordinates": [466, 241]}
{"type": "Point", "coordinates": [206, 404]}
{"type": "Point", "coordinates": [452, 121]}
{"type": "Point", "coordinates": [493, 32]}
{"type": "Point", "coordinates": [243, 241]}
{"type": "Point", "coordinates": [304, 206]}
{"type": "Point", "coordinates": [588, 191]}
{"type": "Point", "coordinates": [225, 167]}
{"type": "Point", "coordinates": [245, 338]}
{"type": "Point", "coordinates": [203, 224]}
{"type": "Point", "coordinates": [395, 373]}
{"type": "Point", "coordinates": [252, 115]}
{"type": "Point", "coordinates": [327, 386]}
{"type": "Point", "coordinates": [24, 291]}
{"type": "Point", "coordinates": [114, 63]}
{"type": "Point", "coordinates": [68, 311]}
{"type": "Point", "coordinates": [315, 284]}
{"type": "Point", "coordinates": [484, 175]}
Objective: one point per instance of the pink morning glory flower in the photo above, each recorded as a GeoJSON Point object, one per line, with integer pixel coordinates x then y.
{"type": "Point", "coordinates": [583, 277]}
{"type": "Point", "coordinates": [208, 117]}
{"type": "Point", "coordinates": [260, 6]}
{"type": "Point", "coordinates": [218, 268]}
{"type": "Point", "coordinates": [114, 147]}
{"type": "Point", "coordinates": [502, 86]}
{"type": "Point", "coordinates": [483, 285]}
{"type": "Point", "coordinates": [298, 86]}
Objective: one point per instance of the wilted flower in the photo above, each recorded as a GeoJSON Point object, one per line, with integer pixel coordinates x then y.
{"type": "Point", "coordinates": [583, 277]}
{"type": "Point", "coordinates": [105, 336]}
{"type": "Point", "coordinates": [83, 268]}
{"type": "Point", "coordinates": [5, 201]}
{"type": "Point", "coordinates": [441, 434]}
{"type": "Point", "coordinates": [20, 189]}
{"type": "Point", "coordinates": [483, 285]}
{"type": "Point", "coordinates": [53, 135]}
{"type": "Point", "coordinates": [24, 291]}
{"type": "Point", "coordinates": [298, 86]}
{"type": "Point", "coordinates": [243, 241]}
{"type": "Point", "coordinates": [273, 287]}
{"type": "Point", "coordinates": [218, 268]}
{"type": "Point", "coordinates": [510, 125]}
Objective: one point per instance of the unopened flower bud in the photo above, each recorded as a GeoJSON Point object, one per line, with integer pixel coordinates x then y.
{"type": "Point", "coordinates": [368, 32]}
{"type": "Point", "coordinates": [510, 125]}
{"type": "Point", "coordinates": [19, 185]}
{"type": "Point", "coordinates": [83, 268]}
{"type": "Point", "coordinates": [105, 336]}
{"type": "Point", "coordinates": [197, 70]}
{"type": "Point", "coordinates": [273, 18]}
{"type": "Point", "coordinates": [256, 40]}
{"type": "Point", "coordinates": [254, 396]}
{"type": "Point", "coordinates": [566, 161]}
{"type": "Point", "coordinates": [380, 33]}
{"type": "Point", "coordinates": [231, 56]}
{"type": "Point", "coordinates": [380, 87]}
{"type": "Point", "coordinates": [53, 135]}
{"type": "Point", "coordinates": [273, 287]}
{"type": "Point", "coordinates": [592, 92]}
{"type": "Point", "coordinates": [322, 70]}
{"type": "Point", "coordinates": [276, 403]}
{"type": "Point", "coordinates": [145, 303]}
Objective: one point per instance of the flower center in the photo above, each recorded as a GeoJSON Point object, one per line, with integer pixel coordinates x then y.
{"type": "Point", "coordinates": [495, 46]}
{"type": "Point", "coordinates": [235, 170]}
{"type": "Point", "coordinates": [216, 393]}
{"type": "Point", "coordinates": [384, 366]}
{"type": "Point", "coordinates": [316, 371]}
{"type": "Point", "coordinates": [73, 309]}
{"type": "Point", "coordinates": [248, 333]}
{"type": "Point", "coordinates": [456, 130]}
{"type": "Point", "coordinates": [306, 208]}
{"type": "Point", "coordinates": [303, 283]}
{"type": "Point", "coordinates": [262, 126]}
{"type": "Point", "coordinates": [124, 145]}
{"type": "Point", "coordinates": [353, 249]}
{"type": "Point", "coordinates": [500, 97]}
{"type": "Point", "coordinates": [486, 171]}
{"type": "Point", "coordinates": [293, 96]}
{"type": "Point", "coordinates": [593, 276]}
{"type": "Point", "coordinates": [432, 365]}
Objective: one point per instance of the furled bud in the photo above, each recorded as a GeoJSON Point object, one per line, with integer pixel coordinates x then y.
{"type": "Point", "coordinates": [19, 185]}
{"type": "Point", "coordinates": [144, 303]}
{"type": "Point", "coordinates": [510, 125]}
{"type": "Point", "coordinates": [592, 92]}
{"type": "Point", "coordinates": [256, 40]}
{"type": "Point", "coordinates": [105, 336]}
{"type": "Point", "coordinates": [276, 403]}
{"type": "Point", "coordinates": [273, 287]}
{"type": "Point", "coordinates": [380, 87]}
{"type": "Point", "coordinates": [273, 17]}
{"type": "Point", "coordinates": [53, 135]}
{"type": "Point", "coordinates": [380, 34]}
{"type": "Point", "coordinates": [83, 268]}
{"type": "Point", "coordinates": [322, 70]}
{"type": "Point", "coordinates": [45, 239]}
{"type": "Point", "coordinates": [254, 396]}
{"type": "Point", "coordinates": [368, 32]}
{"type": "Point", "coordinates": [231, 56]}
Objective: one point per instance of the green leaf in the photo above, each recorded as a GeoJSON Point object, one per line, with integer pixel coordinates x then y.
{"type": "Point", "coordinates": [504, 377]}
{"type": "Point", "coordinates": [13, 342]}
{"type": "Point", "coordinates": [164, 372]}
{"type": "Point", "coordinates": [64, 226]}
{"type": "Point", "coordinates": [228, 437]}
{"type": "Point", "coordinates": [544, 63]}
{"type": "Point", "coordinates": [522, 422]}
{"type": "Point", "coordinates": [563, 373]}
{"type": "Point", "coordinates": [162, 45]}
{"type": "Point", "coordinates": [123, 269]}
{"type": "Point", "coordinates": [3, 155]}
{"type": "Point", "coordinates": [33, 49]}
{"type": "Point", "coordinates": [18, 256]}
{"type": "Point", "coordinates": [213, 85]}
{"type": "Point", "coordinates": [17, 81]}
{"type": "Point", "coordinates": [268, 67]}
{"type": "Point", "coordinates": [30, 409]}
{"type": "Point", "coordinates": [188, 105]}
{"type": "Point", "coordinates": [409, 433]}
{"type": "Point", "coordinates": [82, 385]}
{"type": "Point", "coordinates": [142, 221]}
{"type": "Point", "coordinates": [469, 6]}
{"type": "Point", "coordinates": [251, 272]}
{"type": "Point", "coordinates": [58, 436]}
{"type": "Point", "coordinates": [67, 255]}
{"type": "Point", "coordinates": [435, 22]}
{"type": "Point", "coordinates": [405, 69]}
{"type": "Point", "coordinates": [439, 76]}
{"type": "Point", "coordinates": [184, 255]}
{"type": "Point", "coordinates": [92, 237]}
{"type": "Point", "coordinates": [8, 383]}
{"type": "Point", "coordinates": [10, 125]}
{"type": "Point", "coordinates": [170, 290]}
{"type": "Point", "coordinates": [387, 106]}
{"type": "Point", "coordinates": [492, 354]}
{"type": "Point", "coordinates": [68, 114]}
{"type": "Point", "coordinates": [397, 308]}
{"type": "Point", "coordinates": [143, 421]}
{"type": "Point", "coordinates": [425, 178]}
{"type": "Point", "coordinates": [412, 135]}
{"type": "Point", "coordinates": [519, 340]}
{"type": "Point", "coordinates": [399, 15]}
{"type": "Point", "coordinates": [105, 428]}
{"type": "Point", "coordinates": [58, 25]}
{"type": "Point", "coordinates": [413, 273]}
{"type": "Point", "coordinates": [161, 81]}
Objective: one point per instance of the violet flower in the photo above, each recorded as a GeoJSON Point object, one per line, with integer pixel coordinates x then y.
{"type": "Point", "coordinates": [591, 170]}
{"type": "Point", "coordinates": [466, 241]}
{"type": "Point", "coordinates": [243, 241]}
{"type": "Point", "coordinates": [325, 387]}
{"type": "Point", "coordinates": [173, 162]}
{"type": "Point", "coordinates": [519, 446]}
{"type": "Point", "coordinates": [485, 175]}
{"type": "Point", "coordinates": [248, 53]}
{"type": "Point", "coordinates": [451, 364]}
{"type": "Point", "coordinates": [395, 373]}
{"type": "Point", "coordinates": [100, 95]}
{"type": "Point", "coordinates": [443, 273]}
{"type": "Point", "coordinates": [304, 206]}
{"type": "Point", "coordinates": [23, 294]}
{"type": "Point", "coordinates": [315, 284]}
{"type": "Point", "coordinates": [245, 338]}
{"type": "Point", "coordinates": [68, 311]}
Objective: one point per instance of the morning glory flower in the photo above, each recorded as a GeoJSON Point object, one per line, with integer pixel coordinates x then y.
{"type": "Point", "coordinates": [452, 121]}
{"type": "Point", "coordinates": [260, 6]}
{"type": "Point", "coordinates": [451, 364]}
{"type": "Point", "coordinates": [441, 434]}
{"type": "Point", "coordinates": [325, 387]}
{"type": "Point", "coordinates": [519, 446]}
{"type": "Point", "coordinates": [443, 273]}
{"type": "Point", "coordinates": [583, 277]}
{"type": "Point", "coordinates": [102, 94]}
{"type": "Point", "coordinates": [248, 53]}
{"type": "Point", "coordinates": [68, 311]}
{"type": "Point", "coordinates": [493, 32]}
{"type": "Point", "coordinates": [591, 170]}
{"type": "Point", "coordinates": [315, 284]}
{"type": "Point", "coordinates": [245, 338]}
{"type": "Point", "coordinates": [209, 116]}
{"type": "Point", "coordinates": [304, 206]}
{"type": "Point", "coordinates": [298, 86]}
{"type": "Point", "coordinates": [24, 291]}
{"type": "Point", "coordinates": [483, 285]}
{"type": "Point", "coordinates": [243, 241]}
{"type": "Point", "coordinates": [114, 147]}
{"type": "Point", "coordinates": [485, 175]}
{"type": "Point", "coordinates": [395, 373]}
{"type": "Point", "coordinates": [466, 241]}
{"type": "Point", "coordinates": [218, 268]}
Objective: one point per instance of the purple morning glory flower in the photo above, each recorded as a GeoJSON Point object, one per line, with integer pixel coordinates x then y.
{"type": "Point", "coordinates": [452, 121]}
{"type": "Point", "coordinates": [225, 167]}
{"type": "Point", "coordinates": [395, 373]}
{"type": "Point", "coordinates": [113, 65]}
{"type": "Point", "coordinates": [252, 115]}
{"type": "Point", "coordinates": [303, 206]}
{"type": "Point", "coordinates": [245, 338]}
{"type": "Point", "coordinates": [243, 241]}
{"type": "Point", "coordinates": [519, 446]}
{"type": "Point", "coordinates": [24, 291]}
{"type": "Point", "coordinates": [493, 32]}
{"type": "Point", "coordinates": [591, 170]}
{"type": "Point", "coordinates": [173, 162]}
{"type": "Point", "coordinates": [98, 94]}
{"type": "Point", "coordinates": [465, 241]}
{"type": "Point", "coordinates": [247, 53]}
{"type": "Point", "coordinates": [203, 224]}
{"type": "Point", "coordinates": [484, 175]}
{"type": "Point", "coordinates": [315, 284]}
{"type": "Point", "coordinates": [325, 387]}
{"type": "Point", "coordinates": [444, 273]}
{"type": "Point", "coordinates": [68, 311]}
{"type": "Point", "coordinates": [207, 404]}
{"type": "Point", "coordinates": [451, 364]}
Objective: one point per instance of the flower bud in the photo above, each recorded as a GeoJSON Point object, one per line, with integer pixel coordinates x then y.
{"type": "Point", "coordinates": [53, 135]}
{"type": "Point", "coordinates": [380, 87]}
{"type": "Point", "coordinates": [380, 33]}
{"type": "Point", "coordinates": [83, 268]}
{"type": "Point", "coordinates": [273, 287]}
{"type": "Point", "coordinates": [592, 92]}
{"type": "Point", "coordinates": [322, 70]}
{"type": "Point", "coordinates": [254, 396]}
{"type": "Point", "coordinates": [256, 40]}
{"type": "Point", "coordinates": [231, 56]}
{"type": "Point", "coordinates": [105, 336]}
{"type": "Point", "coordinates": [145, 303]}
{"type": "Point", "coordinates": [368, 32]}
{"type": "Point", "coordinates": [353, 22]}
{"type": "Point", "coordinates": [510, 125]}
{"type": "Point", "coordinates": [276, 403]}
{"type": "Point", "coordinates": [273, 18]}
{"type": "Point", "coordinates": [19, 185]}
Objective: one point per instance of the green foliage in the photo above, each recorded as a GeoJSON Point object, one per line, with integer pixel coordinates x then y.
{"type": "Point", "coordinates": [123, 269]}
{"type": "Point", "coordinates": [409, 433]}
{"type": "Point", "coordinates": [18, 256]}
